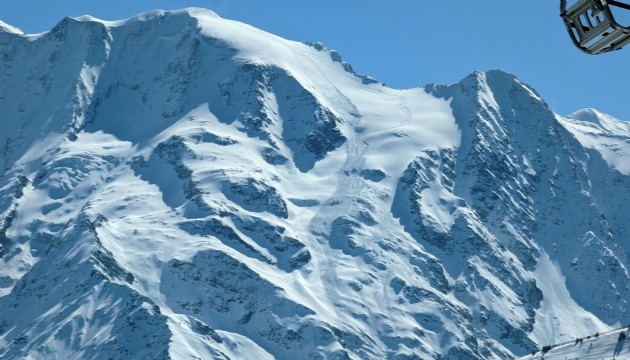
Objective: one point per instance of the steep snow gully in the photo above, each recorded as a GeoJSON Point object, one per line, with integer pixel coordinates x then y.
{"type": "Point", "coordinates": [177, 185]}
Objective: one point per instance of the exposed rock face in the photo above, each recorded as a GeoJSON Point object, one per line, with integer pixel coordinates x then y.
{"type": "Point", "coordinates": [177, 185]}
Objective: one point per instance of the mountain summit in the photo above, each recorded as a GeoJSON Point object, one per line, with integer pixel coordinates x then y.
{"type": "Point", "coordinates": [177, 185]}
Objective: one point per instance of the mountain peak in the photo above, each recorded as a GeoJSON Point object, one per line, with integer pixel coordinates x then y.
{"type": "Point", "coordinates": [497, 81]}
{"type": "Point", "coordinates": [191, 12]}
{"type": "Point", "coordinates": [494, 75]}
{"type": "Point", "coordinates": [494, 89]}
{"type": "Point", "coordinates": [601, 120]}
{"type": "Point", "coordinates": [501, 75]}
{"type": "Point", "coordinates": [604, 133]}
{"type": "Point", "coordinates": [588, 115]}
{"type": "Point", "coordinates": [165, 20]}
{"type": "Point", "coordinates": [483, 77]}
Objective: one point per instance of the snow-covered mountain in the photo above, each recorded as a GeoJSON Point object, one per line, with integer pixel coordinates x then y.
{"type": "Point", "coordinates": [177, 185]}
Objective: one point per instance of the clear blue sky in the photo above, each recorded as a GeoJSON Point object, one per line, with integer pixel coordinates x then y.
{"type": "Point", "coordinates": [406, 43]}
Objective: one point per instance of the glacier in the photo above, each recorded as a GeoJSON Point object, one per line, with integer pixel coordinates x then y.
{"type": "Point", "coordinates": [178, 185]}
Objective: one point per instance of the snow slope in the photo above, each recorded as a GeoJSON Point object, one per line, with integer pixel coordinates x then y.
{"type": "Point", "coordinates": [4, 27]}
{"type": "Point", "coordinates": [604, 134]}
{"type": "Point", "coordinates": [609, 345]}
{"type": "Point", "coordinates": [177, 185]}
